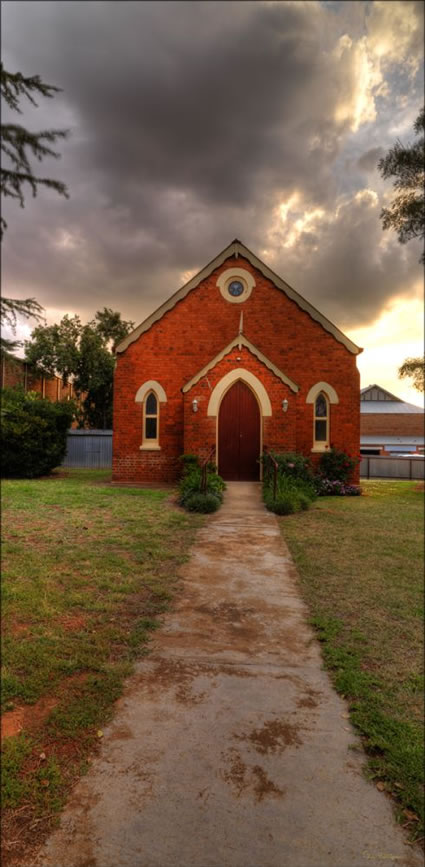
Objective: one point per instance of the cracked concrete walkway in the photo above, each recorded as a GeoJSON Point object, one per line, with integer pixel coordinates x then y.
{"type": "Point", "coordinates": [229, 747]}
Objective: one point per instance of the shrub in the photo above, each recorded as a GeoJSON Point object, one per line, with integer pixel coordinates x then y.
{"type": "Point", "coordinates": [190, 484]}
{"type": "Point", "coordinates": [202, 503]}
{"type": "Point", "coordinates": [289, 464]}
{"type": "Point", "coordinates": [292, 494]}
{"type": "Point", "coordinates": [33, 433]}
{"type": "Point", "coordinates": [337, 465]}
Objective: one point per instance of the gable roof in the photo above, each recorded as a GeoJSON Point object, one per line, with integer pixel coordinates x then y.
{"type": "Point", "coordinates": [240, 340]}
{"type": "Point", "coordinates": [376, 392]}
{"type": "Point", "coordinates": [375, 399]}
{"type": "Point", "coordinates": [236, 248]}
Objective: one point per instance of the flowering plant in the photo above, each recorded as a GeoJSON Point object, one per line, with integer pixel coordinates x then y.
{"type": "Point", "coordinates": [337, 465]}
{"type": "Point", "coordinates": [333, 487]}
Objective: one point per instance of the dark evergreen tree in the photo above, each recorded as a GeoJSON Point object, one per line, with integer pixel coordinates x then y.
{"type": "Point", "coordinates": [10, 308]}
{"type": "Point", "coordinates": [18, 144]}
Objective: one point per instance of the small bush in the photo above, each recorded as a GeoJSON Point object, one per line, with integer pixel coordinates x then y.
{"type": "Point", "coordinates": [33, 433]}
{"type": "Point", "coordinates": [202, 503]}
{"type": "Point", "coordinates": [190, 485]}
{"type": "Point", "coordinates": [284, 505]}
{"type": "Point", "coordinates": [337, 465]}
{"type": "Point", "coordinates": [290, 464]}
{"type": "Point", "coordinates": [292, 494]}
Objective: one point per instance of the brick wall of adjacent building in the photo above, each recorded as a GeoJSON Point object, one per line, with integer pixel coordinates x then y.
{"type": "Point", "coordinates": [392, 424]}
{"type": "Point", "coordinates": [187, 337]}
{"type": "Point", "coordinates": [16, 372]}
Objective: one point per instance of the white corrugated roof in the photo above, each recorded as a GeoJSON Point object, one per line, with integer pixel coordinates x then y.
{"type": "Point", "coordinates": [377, 439]}
{"type": "Point", "coordinates": [389, 406]}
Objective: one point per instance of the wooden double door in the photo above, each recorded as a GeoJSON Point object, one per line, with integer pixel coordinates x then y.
{"type": "Point", "coordinates": [239, 435]}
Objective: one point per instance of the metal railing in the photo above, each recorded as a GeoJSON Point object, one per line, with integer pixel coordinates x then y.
{"type": "Point", "coordinates": [383, 467]}
{"type": "Point", "coordinates": [204, 469]}
{"type": "Point", "coordinates": [275, 469]}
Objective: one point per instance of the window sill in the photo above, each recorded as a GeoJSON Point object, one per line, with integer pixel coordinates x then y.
{"type": "Point", "coordinates": [150, 447]}
{"type": "Point", "coordinates": [321, 449]}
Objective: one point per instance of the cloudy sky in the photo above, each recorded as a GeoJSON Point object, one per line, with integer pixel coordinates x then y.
{"type": "Point", "coordinates": [192, 123]}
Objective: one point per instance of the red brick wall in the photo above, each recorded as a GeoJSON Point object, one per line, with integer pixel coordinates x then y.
{"type": "Point", "coordinates": [392, 424]}
{"type": "Point", "coordinates": [187, 337]}
{"type": "Point", "coordinates": [15, 372]}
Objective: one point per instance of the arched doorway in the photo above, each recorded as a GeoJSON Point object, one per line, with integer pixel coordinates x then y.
{"type": "Point", "coordinates": [239, 435]}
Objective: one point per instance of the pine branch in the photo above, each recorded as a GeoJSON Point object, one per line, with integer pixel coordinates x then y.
{"type": "Point", "coordinates": [10, 308]}
{"type": "Point", "coordinates": [19, 145]}
{"type": "Point", "coordinates": [15, 85]}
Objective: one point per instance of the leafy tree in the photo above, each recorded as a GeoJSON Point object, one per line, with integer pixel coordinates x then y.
{"type": "Point", "coordinates": [406, 214]}
{"type": "Point", "coordinates": [414, 367]}
{"type": "Point", "coordinates": [18, 144]}
{"type": "Point", "coordinates": [10, 308]}
{"type": "Point", "coordinates": [33, 433]}
{"type": "Point", "coordinates": [85, 353]}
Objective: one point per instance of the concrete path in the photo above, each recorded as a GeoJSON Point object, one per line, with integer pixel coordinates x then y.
{"type": "Point", "coordinates": [229, 747]}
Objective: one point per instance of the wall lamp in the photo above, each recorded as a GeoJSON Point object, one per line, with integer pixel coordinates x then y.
{"type": "Point", "coordinates": [195, 405]}
{"type": "Point", "coordinates": [285, 405]}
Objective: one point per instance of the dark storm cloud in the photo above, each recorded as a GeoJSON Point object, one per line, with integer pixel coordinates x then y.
{"type": "Point", "coordinates": [190, 123]}
{"type": "Point", "coordinates": [369, 160]}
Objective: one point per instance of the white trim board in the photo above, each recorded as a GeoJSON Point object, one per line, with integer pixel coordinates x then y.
{"type": "Point", "coordinates": [236, 248]}
{"type": "Point", "coordinates": [240, 341]}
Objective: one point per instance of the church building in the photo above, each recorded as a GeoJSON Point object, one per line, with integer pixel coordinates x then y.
{"type": "Point", "coordinates": [236, 361]}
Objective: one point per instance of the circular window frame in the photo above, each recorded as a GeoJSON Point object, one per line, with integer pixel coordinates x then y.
{"type": "Point", "coordinates": [230, 276]}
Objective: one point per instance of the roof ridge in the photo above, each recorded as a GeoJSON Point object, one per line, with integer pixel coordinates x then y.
{"type": "Point", "coordinates": [236, 248]}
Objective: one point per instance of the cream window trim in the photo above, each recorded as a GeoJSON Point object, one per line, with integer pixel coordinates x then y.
{"type": "Point", "coordinates": [321, 445]}
{"type": "Point", "coordinates": [151, 385]}
{"type": "Point", "coordinates": [328, 390]}
{"type": "Point", "coordinates": [228, 380]}
{"type": "Point", "coordinates": [243, 276]}
{"type": "Point", "coordinates": [150, 443]}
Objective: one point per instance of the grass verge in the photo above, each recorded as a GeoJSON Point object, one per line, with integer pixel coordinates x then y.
{"type": "Point", "coordinates": [88, 569]}
{"type": "Point", "coordinates": [360, 562]}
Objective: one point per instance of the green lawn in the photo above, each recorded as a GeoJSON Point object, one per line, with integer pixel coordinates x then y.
{"type": "Point", "coordinates": [361, 564]}
{"type": "Point", "coordinates": [87, 570]}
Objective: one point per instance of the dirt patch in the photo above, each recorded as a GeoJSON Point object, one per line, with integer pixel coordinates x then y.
{"type": "Point", "coordinates": [28, 716]}
{"type": "Point", "coordinates": [420, 486]}
{"type": "Point", "coordinates": [306, 701]}
{"type": "Point", "coordinates": [263, 785]}
{"type": "Point", "coordinates": [226, 611]}
{"type": "Point", "coordinates": [235, 775]}
{"type": "Point", "coordinates": [18, 629]}
{"type": "Point", "coordinates": [273, 737]}
{"type": "Point", "coordinates": [242, 778]}
{"type": "Point", "coordinates": [171, 674]}
{"type": "Point", "coordinates": [72, 623]}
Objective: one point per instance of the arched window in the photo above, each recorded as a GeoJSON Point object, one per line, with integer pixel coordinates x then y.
{"type": "Point", "coordinates": [321, 421]}
{"type": "Point", "coordinates": [151, 420]}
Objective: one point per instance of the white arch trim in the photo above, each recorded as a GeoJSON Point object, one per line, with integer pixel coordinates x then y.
{"type": "Point", "coordinates": [322, 386]}
{"type": "Point", "coordinates": [151, 385]}
{"type": "Point", "coordinates": [245, 376]}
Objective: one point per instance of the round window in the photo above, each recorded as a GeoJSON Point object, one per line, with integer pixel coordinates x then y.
{"type": "Point", "coordinates": [235, 288]}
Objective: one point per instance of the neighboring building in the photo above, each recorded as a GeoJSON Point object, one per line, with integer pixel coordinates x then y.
{"type": "Point", "coordinates": [235, 359]}
{"type": "Point", "coordinates": [388, 425]}
{"type": "Point", "coordinates": [15, 371]}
